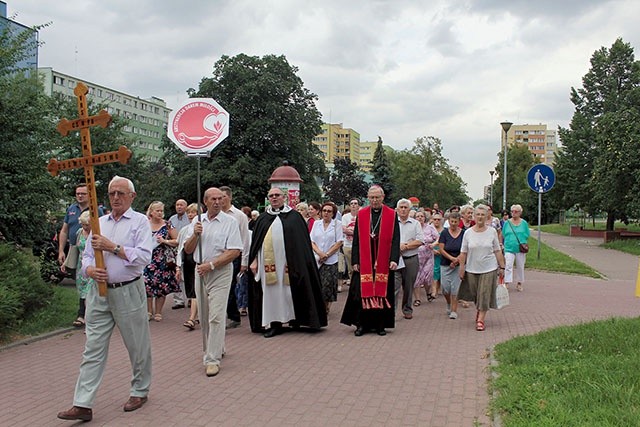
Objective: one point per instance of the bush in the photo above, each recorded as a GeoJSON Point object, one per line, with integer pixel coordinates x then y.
{"type": "Point", "coordinates": [22, 290]}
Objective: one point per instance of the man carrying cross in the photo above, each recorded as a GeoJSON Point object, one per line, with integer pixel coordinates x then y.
{"type": "Point", "coordinates": [127, 245]}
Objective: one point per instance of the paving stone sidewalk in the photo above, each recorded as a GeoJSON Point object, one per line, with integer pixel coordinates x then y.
{"type": "Point", "coordinates": [428, 371]}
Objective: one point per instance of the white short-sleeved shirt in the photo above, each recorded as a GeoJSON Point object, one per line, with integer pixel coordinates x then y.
{"type": "Point", "coordinates": [327, 238]}
{"type": "Point", "coordinates": [218, 235]}
{"type": "Point", "coordinates": [480, 248]}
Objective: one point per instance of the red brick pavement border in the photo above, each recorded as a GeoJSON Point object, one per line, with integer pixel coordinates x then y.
{"type": "Point", "coordinates": [429, 371]}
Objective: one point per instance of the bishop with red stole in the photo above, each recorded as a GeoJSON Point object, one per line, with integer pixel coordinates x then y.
{"type": "Point", "coordinates": [375, 255]}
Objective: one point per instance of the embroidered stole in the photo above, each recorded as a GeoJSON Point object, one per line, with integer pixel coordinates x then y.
{"type": "Point", "coordinates": [270, 273]}
{"type": "Point", "coordinates": [374, 274]}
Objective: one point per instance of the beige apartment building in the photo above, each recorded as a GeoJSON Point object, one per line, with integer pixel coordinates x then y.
{"type": "Point", "coordinates": [148, 118]}
{"type": "Point", "coordinates": [336, 141]}
{"type": "Point", "coordinates": [542, 142]}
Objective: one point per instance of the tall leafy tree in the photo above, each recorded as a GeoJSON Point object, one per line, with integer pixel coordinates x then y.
{"type": "Point", "coordinates": [425, 173]}
{"type": "Point", "coordinates": [346, 182]}
{"type": "Point", "coordinates": [519, 161]}
{"type": "Point", "coordinates": [598, 165]}
{"type": "Point", "coordinates": [27, 121]}
{"type": "Point", "coordinates": [273, 118]}
{"type": "Point", "coordinates": [381, 171]}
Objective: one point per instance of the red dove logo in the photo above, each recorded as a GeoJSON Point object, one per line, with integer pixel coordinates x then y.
{"type": "Point", "coordinates": [199, 125]}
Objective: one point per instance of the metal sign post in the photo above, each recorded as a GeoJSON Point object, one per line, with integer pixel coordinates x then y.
{"type": "Point", "coordinates": [541, 178]}
{"type": "Point", "coordinates": [197, 127]}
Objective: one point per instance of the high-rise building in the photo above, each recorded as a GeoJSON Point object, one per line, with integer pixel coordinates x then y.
{"type": "Point", "coordinates": [335, 141]}
{"type": "Point", "coordinates": [148, 118]}
{"type": "Point", "coordinates": [367, 150]}
{"type": "Point", "coordinates": [541, 141]}
{"type": "Point", "coordinates": [13, 28]}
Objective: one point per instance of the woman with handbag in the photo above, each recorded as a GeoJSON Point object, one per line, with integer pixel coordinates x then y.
{"type": "Point", "coordinates": [516, 234]}
{"type": "Point", "coordinates": [481, 263]}
{"type": "Point", "coordinates": [160, 275]}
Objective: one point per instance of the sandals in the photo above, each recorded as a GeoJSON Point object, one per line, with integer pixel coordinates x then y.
{"type": "Point", "coordinates": [78, 323]}
{"type": "Point", "coordinates": [417, 303]}
{"type": "Point", "coordinates": [430, 297]}
{"type": "Point", "coordinates": [157, 317]}
{"type": "Point", "coordinates": [243, 312]}
{"type": "Point", "coordinates": [190, 324]}
{"type": "Point", "coordinates": [149, 316]}
{"type": "Point", "coordinates": [479, 325]}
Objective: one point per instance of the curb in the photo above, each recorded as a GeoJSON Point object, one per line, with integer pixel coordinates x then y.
{"type": "Point", "coordinates": [31, 340]}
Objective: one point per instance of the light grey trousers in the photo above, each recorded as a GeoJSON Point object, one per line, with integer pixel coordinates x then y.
{"type": "Point", "coordinates": [126, 308]}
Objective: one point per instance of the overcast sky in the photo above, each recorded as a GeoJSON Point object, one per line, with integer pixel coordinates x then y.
{"type": "Point", "coordinates": [400, 69]}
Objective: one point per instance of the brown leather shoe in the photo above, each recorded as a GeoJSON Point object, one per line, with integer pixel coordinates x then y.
{"type": "Point", "coordinates": [76, 413]}
{"type": "Point", "coordinates": [134, 403]}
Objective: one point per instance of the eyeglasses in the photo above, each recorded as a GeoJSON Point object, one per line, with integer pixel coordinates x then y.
{"type": "Point", "coordinates": [117, 193]}
{"type": "Point", "coordinates": [273, 196]}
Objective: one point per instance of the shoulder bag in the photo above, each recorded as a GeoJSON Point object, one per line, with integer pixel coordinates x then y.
{"type": "Point", "coordinates": [524, 248]}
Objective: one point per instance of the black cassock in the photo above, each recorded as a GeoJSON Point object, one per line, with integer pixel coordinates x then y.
{"type": "Point", "coordinates": [304, 279]}
{"type": "Point", "coordinates": [354, 314]}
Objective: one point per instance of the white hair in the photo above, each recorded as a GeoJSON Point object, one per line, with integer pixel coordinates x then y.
{"type": "Point", "coordinates": [516, 208]}
{"type": "Point", "coordinates": [404, 202]}
{"type": "Point", "coordinates": [120, 178]}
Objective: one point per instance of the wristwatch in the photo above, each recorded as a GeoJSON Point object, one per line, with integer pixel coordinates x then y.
{"type": "Point", "coordinates": [116, 250]}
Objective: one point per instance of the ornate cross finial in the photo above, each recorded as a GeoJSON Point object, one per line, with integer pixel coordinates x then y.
{"type": "Point", "coordinates": [88, 159]}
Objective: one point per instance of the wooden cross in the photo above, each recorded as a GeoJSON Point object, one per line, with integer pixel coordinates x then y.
{"type": "Point", "coordinates": [88, 160]}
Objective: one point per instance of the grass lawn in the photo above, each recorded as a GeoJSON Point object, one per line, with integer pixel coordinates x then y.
{"type": "Point", "coordinates": [59, 313]}
{"type": "Point", "coordinates": [629, 246]}
{"type": "Point", "coordinates": [555, 261]}
{"type": "Point", "coordinates": [584, 375]}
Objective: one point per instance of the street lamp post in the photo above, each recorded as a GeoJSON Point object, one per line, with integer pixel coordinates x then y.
{"type": "Point", "coordinates": [491, 172]}
{"type": "Point", "coordinates": [505, 126]}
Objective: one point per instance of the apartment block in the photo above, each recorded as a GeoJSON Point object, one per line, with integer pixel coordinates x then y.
{"type": "Point", "coordinates": [542, 142]}
{"type": "Point", "coordinates": [147, 118]}
{"type": "Point", "coordinates": [13, 28]}
{"type": "Point", "coordinates": [367, 150]}
{"type": "Point", "coordinates": [336, 141]}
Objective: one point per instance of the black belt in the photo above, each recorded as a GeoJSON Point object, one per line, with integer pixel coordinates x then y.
{"type": "Point", "coordinates": [121, 284]}
{"type": "Point", "coordinates": [409, 257]}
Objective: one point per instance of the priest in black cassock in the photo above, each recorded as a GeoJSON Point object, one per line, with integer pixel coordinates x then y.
{"type": "Point", "coordinates": [375, 255]}
{"type": "Point", "coordinates": [287, 287]}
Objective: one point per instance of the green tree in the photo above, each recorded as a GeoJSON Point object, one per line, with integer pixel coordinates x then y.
{"type": "Point", "coordinates": [273, 118]}
{"type": "Point", "coordinates": [29, 192]}
{"type": "Point", "coordinates": [519, 161]}
{"type": "Point", "coordinates": [434, 181]}
{"type": "Point", "coordinates": [102, 140]}
{"type": "Point", "coordinates": [381, 171]}
{"type": "Point", "coordinates": [346, 182]}
{"type": "Point", "coordinates": [597, 168]}
{"type": "Point", "coordinates": [26, 114]}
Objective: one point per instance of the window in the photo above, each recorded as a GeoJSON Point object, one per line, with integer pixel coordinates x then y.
{"type": "Point", "coordinates": [57, 80]}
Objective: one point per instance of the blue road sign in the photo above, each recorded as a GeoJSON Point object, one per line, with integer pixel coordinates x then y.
{"type": "Point", "coordinates": [541, 178]}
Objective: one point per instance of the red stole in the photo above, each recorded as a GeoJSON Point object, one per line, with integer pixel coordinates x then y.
{"type": "Point", "coordinates": [373, 285]}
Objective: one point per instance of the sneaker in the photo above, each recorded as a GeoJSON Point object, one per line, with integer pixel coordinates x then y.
{"type": "Point", "coordinates": [448, 309]}
{"type": "Point", "coordinates": [453, 315]}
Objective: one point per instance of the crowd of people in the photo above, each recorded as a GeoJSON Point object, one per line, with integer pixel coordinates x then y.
{"type": "Point", "coordinates": [282, 269]}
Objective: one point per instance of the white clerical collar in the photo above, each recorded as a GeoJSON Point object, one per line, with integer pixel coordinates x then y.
{"type": "Point", "coordinates": [271, 211]}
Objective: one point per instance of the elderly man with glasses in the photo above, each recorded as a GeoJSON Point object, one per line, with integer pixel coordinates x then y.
{"type": "Point", "coordinates": [287, 284]}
